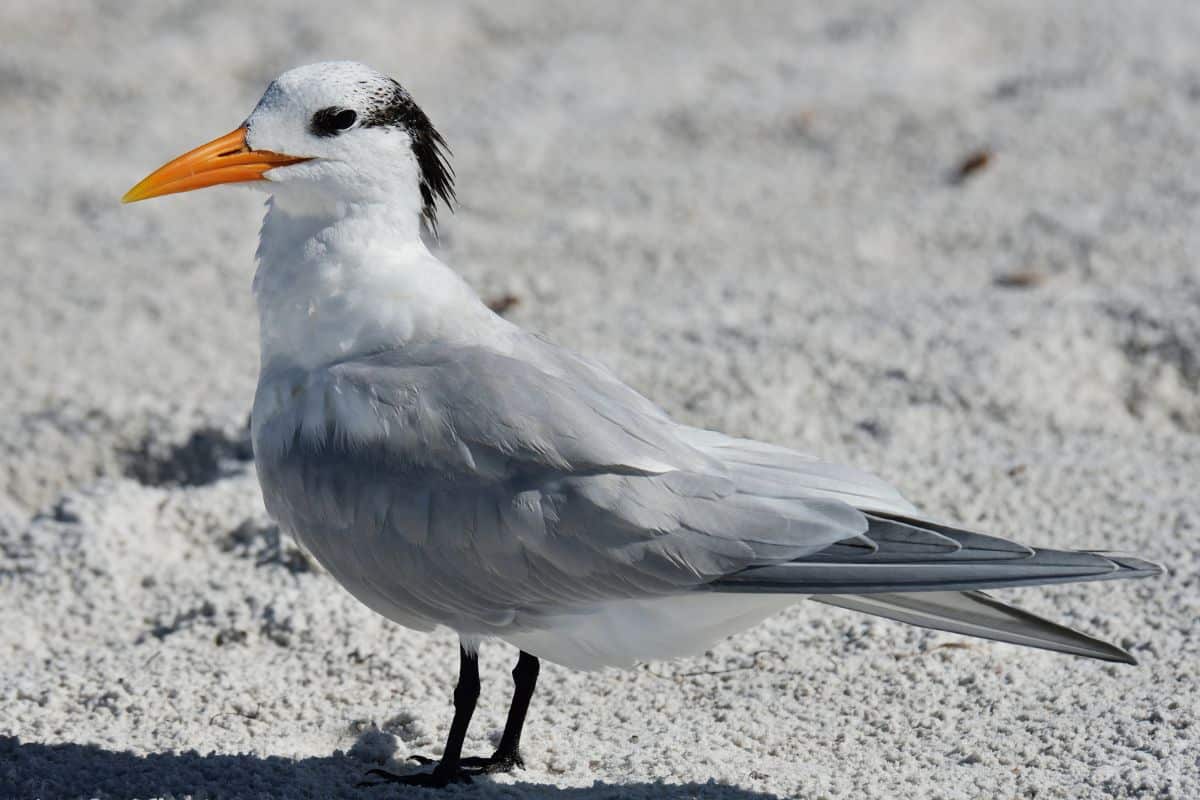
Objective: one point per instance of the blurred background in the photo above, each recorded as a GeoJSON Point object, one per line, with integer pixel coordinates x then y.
{"type": "Point", "coordinates": [952, 243]}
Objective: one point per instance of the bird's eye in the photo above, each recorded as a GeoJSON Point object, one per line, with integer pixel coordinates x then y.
{"type": "Point", "coordinates": [333, 120]}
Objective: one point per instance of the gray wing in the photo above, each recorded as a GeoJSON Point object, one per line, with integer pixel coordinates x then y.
{"type": "Point", "coordinates": [488, 489]}
{"type": "Point", "coordinates": [927, 574]}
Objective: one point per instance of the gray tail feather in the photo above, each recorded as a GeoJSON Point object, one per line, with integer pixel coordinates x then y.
{"type": "Point", "coordinates": [929, 575]}
{"type": "Point", "coordinates": [977, 614]}
{"type": "Point", "coordinates": [904, 555]}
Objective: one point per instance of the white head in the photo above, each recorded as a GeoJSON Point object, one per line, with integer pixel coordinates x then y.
{"type": "Point", "coordinates": [336, 131]}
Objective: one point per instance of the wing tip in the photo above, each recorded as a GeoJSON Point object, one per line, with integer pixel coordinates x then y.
{"type": "Point", "coordinates": [982, 616]}
{"type": "Point", "coordinates": [1130, 565]}
{"type": "Point", "coordinates": [1122, 656]}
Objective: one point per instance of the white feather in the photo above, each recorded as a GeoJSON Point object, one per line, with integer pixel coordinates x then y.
{"type": "Point", "coordinates": [621, 633]}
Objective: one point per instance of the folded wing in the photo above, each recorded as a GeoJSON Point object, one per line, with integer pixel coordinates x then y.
{"type": "Point", "coordinates": [487, 490]}
{"type": "Point", "coordinates": [491, 491]}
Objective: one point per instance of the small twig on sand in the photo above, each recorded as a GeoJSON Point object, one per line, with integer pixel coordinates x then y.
{"type": "Point", "coordinates": [503, 303]}
{"type": "Point", "coordinates": [936, 647]}
{"type": "Point", "coordinates": [974, 162]}
{"type": "Point", "coordinates": [1021, 279]}
{"type": "Point", "coordinates": [754, 664]}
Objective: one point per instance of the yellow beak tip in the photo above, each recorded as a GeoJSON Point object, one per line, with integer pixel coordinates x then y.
{"type": "Point", "coordinates": [143, 190]}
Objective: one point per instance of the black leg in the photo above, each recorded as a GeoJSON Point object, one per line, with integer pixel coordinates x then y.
{"type": "Point", "coordinates": [525, 675]}
{"type": "Point", "coordinates": [508, 755]}
{"type": "Point", "coordinates": [449, 769]}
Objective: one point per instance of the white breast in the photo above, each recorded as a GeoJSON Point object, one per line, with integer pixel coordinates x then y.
{"type": "Point", "coordinates": [330, 290]}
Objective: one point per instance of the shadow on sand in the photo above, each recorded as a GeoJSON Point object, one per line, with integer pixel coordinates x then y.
{"type": "Point", "coordinates": [29, 771]}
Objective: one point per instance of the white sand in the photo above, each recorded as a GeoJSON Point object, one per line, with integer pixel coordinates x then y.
{"type": "Point", "coordinates": [749, 216]}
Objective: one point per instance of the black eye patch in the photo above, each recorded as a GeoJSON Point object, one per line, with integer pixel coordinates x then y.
{"type": "Point", "coordinates": [333, 120]}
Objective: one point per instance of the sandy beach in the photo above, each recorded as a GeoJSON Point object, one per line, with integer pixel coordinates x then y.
{"type": "Point", "coordinates": [954, 244]}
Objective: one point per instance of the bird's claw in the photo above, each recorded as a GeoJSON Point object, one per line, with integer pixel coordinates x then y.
{"type": "Point", "coordinates": [437, 779]}
{"type": "Point", "coordinates": [472, 765]}
{"type": "Point", "coordinates": [480, 765]}
{"type": "Point", "coordinates": [493, 764]}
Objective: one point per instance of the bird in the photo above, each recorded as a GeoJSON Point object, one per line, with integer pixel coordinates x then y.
{"type": "Point", "coordinates": [450, 469]}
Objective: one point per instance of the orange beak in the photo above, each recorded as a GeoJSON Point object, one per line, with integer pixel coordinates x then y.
{"type": "Point", "coordinates": [227, 159]}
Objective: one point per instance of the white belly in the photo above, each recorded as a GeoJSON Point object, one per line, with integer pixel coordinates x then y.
{"type": "Point", "coordinates": [624, 631]}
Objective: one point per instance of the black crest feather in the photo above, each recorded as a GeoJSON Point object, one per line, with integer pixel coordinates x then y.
{"type": "Point", "coordinates": [397, 108]}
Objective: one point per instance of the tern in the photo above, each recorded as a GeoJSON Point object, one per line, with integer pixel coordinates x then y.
{"type": "Point", "coordinates": [450, 469]}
